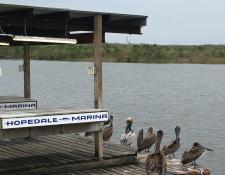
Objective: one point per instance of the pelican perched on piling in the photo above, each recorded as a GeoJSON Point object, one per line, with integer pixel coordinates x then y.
{"type": "Point", "coordinates": [194, 153]}
{"type": "Point", "coordinates": [108, 130]}
{"type": "Point", "coordinates": [156, 162]}
{"type": "Point", "coordinates": [145, 142]}
{"type": "Point", "coordinates": [173, 146]}
{"type": "Point", "coordinates": [128, 137]}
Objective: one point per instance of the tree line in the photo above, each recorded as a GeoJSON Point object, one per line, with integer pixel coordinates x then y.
{"type": "Point", "coordinates": [138, 53]}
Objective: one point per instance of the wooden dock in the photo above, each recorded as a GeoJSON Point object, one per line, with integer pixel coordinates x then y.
{"type": "Point", "coordinates": [57, 153]}
{"type": "Point", "coordinates": [71, 154]}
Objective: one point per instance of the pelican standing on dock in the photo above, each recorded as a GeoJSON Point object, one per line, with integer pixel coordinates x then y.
{"type": "Point", "coordinates": [173, 146]}
{"type": "Point", "coordinates": [145, 142]}
{"type": "Point", "coordinates": [128, 137]}
{"type": "Point", "coordinates": [156, 163]}
{"type": "Point", "coordinates": [108, 130]}
{"type": "Point", "coordinates": [194, 153]}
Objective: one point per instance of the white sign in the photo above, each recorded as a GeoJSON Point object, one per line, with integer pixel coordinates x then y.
{"type": "Point", "coordinates": [21, 68]}
{"type": "Point", "coordinates": [91, 70]}
{"type": "Point", "coordinates": [23, 122]}
{"type": "Point", "coordinates": [0, 71]}
{"type": "Point", "coordinates": [18, 106]}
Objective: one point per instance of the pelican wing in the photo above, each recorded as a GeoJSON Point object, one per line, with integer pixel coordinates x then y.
{"type": "Point", "coordinates": [128, 138]}
{"type": "Point", "coordinates": [191, 155]}
{"type": "Point", "coordinates": [164, 162]}
{"type": "Point", "coordinates": [107, 133]}
{"type": "Point", "coordinates": [155, 163]}
{"type": "Point", "coordinates": [140, 138]}
{"type": "Point", "coordinates": [148, 141]}
{"type": "Point", "coordinates": [171, 148]}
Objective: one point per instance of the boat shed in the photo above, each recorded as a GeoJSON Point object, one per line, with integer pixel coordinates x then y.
{"type": "Point", "coordinates": [30, 25]}
{"type": "Point", "coordinates": [64, 23]}
{"type": "Point", "coordinates": [84, 26]}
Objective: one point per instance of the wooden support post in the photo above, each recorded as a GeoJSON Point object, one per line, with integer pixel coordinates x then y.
{"type": "Point", "coordinates": [26, 67]}
{"type": "Point", "coordinates": [98, 80]}
{"type": "Point", "coordinates": [99, 145]}
{"type": "Point", "coordinates": [98, 61]}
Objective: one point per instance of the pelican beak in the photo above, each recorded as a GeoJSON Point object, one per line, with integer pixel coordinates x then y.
{"type": "Point", "coordinates": [208, 149]}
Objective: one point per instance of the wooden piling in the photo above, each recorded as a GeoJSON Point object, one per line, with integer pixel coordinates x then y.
{"type": "Point", "coordinates": [98, 61]}
{"type": "Point", "coordinates": [26, 67]}
{"type": "Point", "coordinates": [98, 80]}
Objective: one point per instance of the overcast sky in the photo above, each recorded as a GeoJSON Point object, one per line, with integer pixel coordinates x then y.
{"type": "Point", "coordinates": [169, 21]}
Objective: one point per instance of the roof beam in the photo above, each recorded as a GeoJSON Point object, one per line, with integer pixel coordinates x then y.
{"type": "Point", "coordinates": [82, 38]}
{"type": "Point", "coordinates": [34, 32]}
{"type": "Point", "coordinates": [24, 13]}
{"type": "Point", "coordinates": [61, 15]}
{"type": "Point", "coordinates": [128, 22]}
{"type": "Point", "coordinates": [121, 29]}
{"type": "Point", "coordinates": [45, 24]}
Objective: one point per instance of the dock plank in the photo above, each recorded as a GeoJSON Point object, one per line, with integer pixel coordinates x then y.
{"type": "Point", "coordinates": [71, 154]}
{"type": "Point", "coordinates": [45, 152]}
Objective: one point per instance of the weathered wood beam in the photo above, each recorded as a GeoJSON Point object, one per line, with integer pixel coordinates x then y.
{"type": "Point", "coordinates": [61, 15]}
{"type": "Point", "coordinates": [128, 22]}
{"type": "Point", "coordinates": [83, 166]}
{"type": "Point", "coordinates": [121, 29]}
{"type": "Point", "coordinates": [45, 24]}
{"type": "Point", "coordinates": [26, 66]}
{"type": "Point", "coordinates": [25, 13]}
{"type": "Point", "coordinates": [98, 61]}
{"type": "Point", "coordinates": [98, 80]}
{"type": "Point", "coordinates": [82, 38]}
{"type": "Point", "coordinates": [33, 25]}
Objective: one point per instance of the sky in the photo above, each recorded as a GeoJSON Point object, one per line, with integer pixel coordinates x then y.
{"type": "Point", "coordinates": [186, 22]}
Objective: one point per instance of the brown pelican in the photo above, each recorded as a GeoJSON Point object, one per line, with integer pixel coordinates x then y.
{"type": "Point", "coordinates": [92, 133]}
{"type": "Point", "coordinates": [108, 130]}
{"type": "Point", "coordinates": [195, 152]}
{"type": "Point", "coordinates": [107, 122]}
{"type": "Point", "coordinates": [156, 162]}
{"type": "Point", "coordinates": [173, 146]}
{"type": "Point", "coordinates": [128, 137]}
{"type": "Point", "coordinates": [145, 142]}
{"type": "Point", "coordinates": [129, 124]}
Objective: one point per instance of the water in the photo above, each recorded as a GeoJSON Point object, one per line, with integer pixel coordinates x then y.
{"type": "Point", "coordinates": [158, 95]}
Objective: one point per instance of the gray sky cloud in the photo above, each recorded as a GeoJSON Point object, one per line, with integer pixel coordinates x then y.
{"type": "Point", "coordinates": [169, 22]}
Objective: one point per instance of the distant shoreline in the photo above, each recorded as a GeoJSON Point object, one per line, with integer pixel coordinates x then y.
{"type": "Point", "coordinates": [134, 53]}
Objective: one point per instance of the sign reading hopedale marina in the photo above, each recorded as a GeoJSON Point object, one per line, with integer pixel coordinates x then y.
{"type": "Point", "coordinates": [47, 120]}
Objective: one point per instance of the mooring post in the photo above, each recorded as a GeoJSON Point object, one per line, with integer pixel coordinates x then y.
{"type": "Point", "coordinates": [98, 79]}
{"type": "Point", "coordinates": [26, 69]}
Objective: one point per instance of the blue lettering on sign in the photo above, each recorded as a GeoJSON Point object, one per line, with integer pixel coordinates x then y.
{"type": "Point", "coordinates": [30, 122]}
{"type": "Point", "coordinates": [23, 122]}
{"type": "Point", "coordinates": [36, 121]}
{"type": "Point", "coordinates": [8, 123]}
{"type": "Point", "coordinates": [55, 120]}
{"type": "Point", "coordinates": [89, 117]}
{"type": "Point", "coordinates": [104, 116]}
{"type": "Point", "coordinates": [43, 120]}
{"type": "Point", "coordinates": [17, 122]}
{"type": "Point", "coordinates": [49, 120]}
{"type": "Point", "coordinates": [83, 117]}
{"type": "Point", "coordinates": [19, 106]}
{"type": "Point", "coordinates": [75, 118]}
